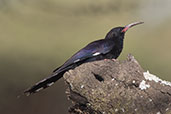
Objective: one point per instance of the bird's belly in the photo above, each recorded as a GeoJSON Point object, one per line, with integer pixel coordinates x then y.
{"type": "Point", "coordinates": [114, 54]}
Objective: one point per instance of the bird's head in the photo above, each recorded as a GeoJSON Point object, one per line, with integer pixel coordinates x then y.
{"type": "Point", "coordinates": [119, 32]}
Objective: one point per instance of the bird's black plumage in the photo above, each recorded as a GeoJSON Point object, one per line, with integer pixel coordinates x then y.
{"type": "Point", "coordinates": [108, 48]}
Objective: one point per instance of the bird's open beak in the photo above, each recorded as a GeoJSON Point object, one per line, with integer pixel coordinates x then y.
{"type": "Point", "coordinates": [131, 25]}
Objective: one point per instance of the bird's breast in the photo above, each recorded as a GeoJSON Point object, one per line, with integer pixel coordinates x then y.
{"type": "Point", "coordinates": [116, 51]}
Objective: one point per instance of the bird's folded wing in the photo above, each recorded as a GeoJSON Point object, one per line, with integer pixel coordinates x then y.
{"type": "Point", "coordinates": [93, 49]}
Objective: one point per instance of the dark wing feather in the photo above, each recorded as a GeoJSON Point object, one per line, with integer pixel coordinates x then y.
{"type": "Point", "coordinates": [100, 46]}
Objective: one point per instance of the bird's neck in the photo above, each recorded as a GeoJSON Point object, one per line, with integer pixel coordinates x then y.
{"type": "Point", "coordinates": [118, 40]}
{"type": "Point", "coordinates": [118, 46]}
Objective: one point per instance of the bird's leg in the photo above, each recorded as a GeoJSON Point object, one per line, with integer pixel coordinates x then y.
{"type": "Point", "coordinates": [105, 59]}
{"type": "Point", "coordinates": [113, 60]}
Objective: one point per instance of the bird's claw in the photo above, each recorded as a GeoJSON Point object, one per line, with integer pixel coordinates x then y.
{"type": "Point", "coordinates": [113, 60]}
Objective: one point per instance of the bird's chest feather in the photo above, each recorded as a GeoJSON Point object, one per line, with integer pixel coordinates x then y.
{"type": "Point", "coordinates": [115, 52]}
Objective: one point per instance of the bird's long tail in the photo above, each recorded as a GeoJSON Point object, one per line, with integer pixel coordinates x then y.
{"type": "Point", "coordinates": [47, 82]}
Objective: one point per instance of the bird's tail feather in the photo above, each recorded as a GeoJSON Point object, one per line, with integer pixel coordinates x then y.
{"type": "Point", "coordinates": [47, 82]}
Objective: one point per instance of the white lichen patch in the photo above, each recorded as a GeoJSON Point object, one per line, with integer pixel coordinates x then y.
{"type": "Point", "coordinates": [116, 110]}
{"type": "Point", "coordinates": [133, 81]}
{"type": "Point", "coordinates": [150, 100]}
{"type": "Point", "coordinates": [152, 77]}
{"type": "Point", "coordinates": [71, 85]}
{"type": "Point", "coordinates": [158, 113]}
{"type": "Point", "coordinates": [143, 85]}
{"type": "Point", "coordinates": [82, 86]}
{"type": "Point", "coordinates": [123, 110]}
{"type": "Point", "coordinates": [88, 104]}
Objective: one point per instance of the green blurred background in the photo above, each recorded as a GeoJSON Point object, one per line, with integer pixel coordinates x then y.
{"type": "Point", "coordinates": [36, 36]}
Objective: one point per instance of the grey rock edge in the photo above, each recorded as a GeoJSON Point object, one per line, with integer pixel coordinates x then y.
{"type": "Point", "coordinates": [116, 87]}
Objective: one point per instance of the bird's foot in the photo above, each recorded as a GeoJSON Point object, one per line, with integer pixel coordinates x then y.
{"type": "Point", "coordinates": [113, 60]}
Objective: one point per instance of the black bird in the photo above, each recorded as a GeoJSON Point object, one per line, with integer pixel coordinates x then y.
{"type": "Point", "coordinates": [108, 48]}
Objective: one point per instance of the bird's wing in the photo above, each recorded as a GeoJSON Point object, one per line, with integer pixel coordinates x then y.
{"type": "Point", "coordinates": [93, 49]}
